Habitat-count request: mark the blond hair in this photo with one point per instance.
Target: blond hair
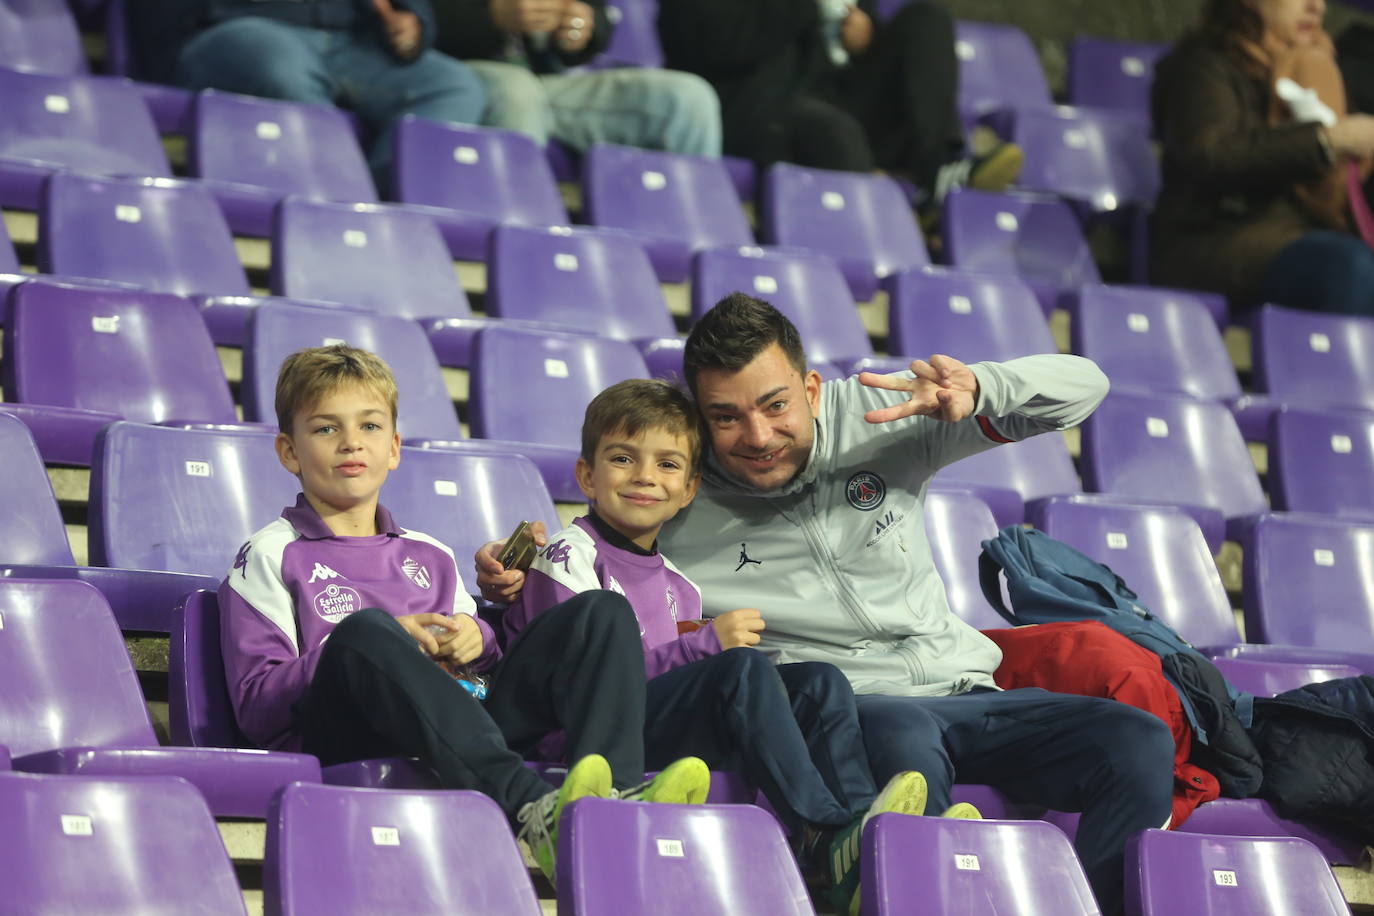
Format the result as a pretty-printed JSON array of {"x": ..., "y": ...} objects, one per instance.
[{"x": 307, "y": 376}]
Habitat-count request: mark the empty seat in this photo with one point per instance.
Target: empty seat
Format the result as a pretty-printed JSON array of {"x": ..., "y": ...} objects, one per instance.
[
  {"x": 634, "y": 43},
  {"x": 34, "y": 532},
  {"x": 83, "y": 123},
  {"x": 999, "y": 69},
  {"x": 957, "y": 523},
  {"x": 332, "y": 849},
  {"x": 532, "y": 388},
  {"x": 674, "y": 204},
  {"x": 1176, "y": 872},
  {"x": 1314, "y": 359},
  {"x": 253, "y": 152},
  {"x": 40, "y": 36},
  {"x": 1176, "y": 450},
  {"x": 1255, "y": 817},
  {"x": 864, "y": 222},
  {"x": 1039, "y": 239},
  {"x": 969, "y": 316},
  {"x": 71, "y": 704},
  {"x": 1322, "y": 461},
  {"x": 474, "y": 179},
  {"x": 277, "y": 330},
  {"x": 1113, "y": 74},
  {"x": 134, "y": 845},
  {"x": 1033, "y": 468},
  {"x": 1097, "y": 158},
  {"x": 675, "y": 859},
  {"x": 947, "y": 865},
  {"x": 9, "y": 261},
  {"x": 808, "y": 289},
  {"x": 1265, "y": 678}
]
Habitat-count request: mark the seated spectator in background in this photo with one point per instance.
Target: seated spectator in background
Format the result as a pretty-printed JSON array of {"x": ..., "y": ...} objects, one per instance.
[
  {"x": 371, "y": 56},
  {"x": 1253, "y": 203},
  {"x": 821, "y": 83},
  {"x": 522, "y": 48}
]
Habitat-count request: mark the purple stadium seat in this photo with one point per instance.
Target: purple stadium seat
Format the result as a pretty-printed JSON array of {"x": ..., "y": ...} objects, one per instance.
[
  {"x": 675, "y": 204},
  {"x": 134, "y": 845},
  {"x": 634, "y": 43},
  {"x": 1314, "y": 359},
  {"x": 253, "y": 152},
  {"x": 199, "y": 713},
  {"x": 84, "y": 123},
  {"x": 1176, "y": 872},
  {"x": 864, "y": 222},
  {"x": 1161, "y": 341},
  {"x": 1322, "y": 461},
  {"x": 332, "y": 849},
  {"x": 1176, "y": 450},
  {"x": 277, "y": 330},
  {"x": 40, "y": 36},
  {"x": 1255, "y": 817},
  {"x": 1269, "y": 678},
  {"x": 1033, "y": 469},
  {"x": 9, "y": 261},
  {"x": 472, "y": 179},
  {"x": 1306, "y": 584},
  {"x": 810, "y": 290},
  {"x": 998, "y": 70},
  {"x": 1097, "y": 158},
  {"x": 602, "y": 282},
  {"x": 140, "y": 356},
  {"x": 947, "y": 865},
  {"x": 530, "y": 389},
  {"x": 624, "y": 857},
  {"x": 1037, "y": 238},
  {"x": 957, "y": 523},
  {"x": 71, "y": 704},
  {"x": 968, "y": 316},
  {"x": 1113, "y": 74},
  {"x": 4, "y": 758}
]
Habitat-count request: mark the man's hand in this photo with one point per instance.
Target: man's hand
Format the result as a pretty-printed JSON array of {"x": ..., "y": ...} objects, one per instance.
[
  {"x": 738, "y": 628},
  {"x": 943, "y": 388},
  {"x": 498, "y": 584},
  {"x": 417, "y": 625},
  {"x": 402, "y": 27},
  {"x": 460, "y": 646},
  {"x": 524, "y": 16},
  {"x": 575, "y": 30},
  {"x": 856, "y": 32}
]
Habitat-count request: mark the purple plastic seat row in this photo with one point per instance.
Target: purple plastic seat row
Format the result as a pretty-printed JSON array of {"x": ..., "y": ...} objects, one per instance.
[
  {"x": 999, "y": 70},
  {"x": 969, "y": 316},
  {"x": 1099, "y": 159},
  {"x": 1321, "y": 461},
  {"x": 1311, "y": 359},
  {"x": 1113, "y": 74}
]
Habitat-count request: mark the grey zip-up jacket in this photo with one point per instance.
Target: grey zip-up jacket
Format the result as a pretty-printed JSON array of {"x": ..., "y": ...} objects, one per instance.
[{"x": 837, "y": 560}]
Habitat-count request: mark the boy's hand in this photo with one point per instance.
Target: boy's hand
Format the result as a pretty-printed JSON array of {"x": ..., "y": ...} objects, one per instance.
[
  {"x": 943, "y": 388},
  {"x": 460, "y": 646},
  {"x": 498, "y": 584},
  {"x": 403, "y": 29},
  {"x": 738, "y": 628},
  {"x": 416, "y": 625}
]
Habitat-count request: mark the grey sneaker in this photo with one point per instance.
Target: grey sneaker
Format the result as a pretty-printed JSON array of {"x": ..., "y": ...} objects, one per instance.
[{"x": 539, "y": 819}]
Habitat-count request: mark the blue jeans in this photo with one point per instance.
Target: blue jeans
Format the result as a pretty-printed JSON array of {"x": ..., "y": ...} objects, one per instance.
[
  {"x": 1324, "y": 271},
  {"x": 650, "y": 109},
  {"x": 263, "y": 57},
  {"x": 1113, "y": 762}
]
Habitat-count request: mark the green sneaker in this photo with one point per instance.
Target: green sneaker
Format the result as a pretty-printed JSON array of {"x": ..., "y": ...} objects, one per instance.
[
  {"x": 904, "y": 793},
  {"x": 589, "y": 777},
  {"x": 963, "y": 811},
  {"x": 682, "y": 782}
]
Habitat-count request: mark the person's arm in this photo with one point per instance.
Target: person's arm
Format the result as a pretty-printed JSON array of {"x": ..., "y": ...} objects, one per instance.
[
  {"x": 584, "y": 32},
  {"x": 718, "y": 37},
  {"x": 421, "y": 33},
  {"x": 557, "y": 572}
]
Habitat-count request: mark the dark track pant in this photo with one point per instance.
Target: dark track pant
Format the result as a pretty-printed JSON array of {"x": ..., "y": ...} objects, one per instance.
[
  {"x": 578, "y": 667},
  {"x": 1110, "y": 761},
  {"x": 791, "y": 730}
]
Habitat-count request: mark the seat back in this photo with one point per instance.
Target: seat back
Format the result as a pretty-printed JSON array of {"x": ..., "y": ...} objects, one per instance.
[
  {"x": 969, "y": 316},
  {"x": 530, "y": 386},
  {"x": 947, "y": 865},
  {"x": 1113, "y": 74},
  {"x": 9, "y": 260},
  {"x": 1270, "y": 678},
  {"x": 40, "y": 36},
  {"x": 163, "y": 235},
  {"x": 183, "y": 500},
  {"x": 276, "y": 330},
  {"x": 675, "y": 859},
  {"x": 634, "y": 43},
  {"x": 1171, "y": 871},
  {"x": 67, "y": 678},
  {"x": 1172, "y": 448},
  {"x": 1310, "y": 358},
  {"x": 499, "y": 174},
  {"x": 998, "y": 68},
  {"x": 957, "y": 523},
  {"x": 809, "y": 290},
  {"x": 140, "y": 844},
  {"x": 1322, "y": 461},
  {"x": 865, "y": 222},
  {"x": 34, "y": 532},
  {"x": 1153, "y": 340},
  {"x": 1306, "y": 583},
  {"x": 310, "y": 151},
  {"x": 1035, "y": 467},
  {"x": 599, "y": 281},
  {"x": 374, "y": 257},
  {"x": 1099, "y": 158},
  {"x": 199, "y": 711},
  {"x": 1160, "y": 553},
  {"x": 144, "y": 356}
]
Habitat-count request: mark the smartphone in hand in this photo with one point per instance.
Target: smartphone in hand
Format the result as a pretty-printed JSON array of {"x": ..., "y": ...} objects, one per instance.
[{"x": 519, "y": 549}]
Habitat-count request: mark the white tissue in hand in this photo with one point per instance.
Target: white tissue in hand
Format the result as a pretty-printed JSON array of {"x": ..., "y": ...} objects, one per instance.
[{"x": 1304, "y": 104}]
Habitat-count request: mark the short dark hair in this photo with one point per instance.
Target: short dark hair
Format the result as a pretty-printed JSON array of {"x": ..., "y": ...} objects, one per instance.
[
  {"x": 735, "y": 331},
  {"x": 637, "y": 404}
]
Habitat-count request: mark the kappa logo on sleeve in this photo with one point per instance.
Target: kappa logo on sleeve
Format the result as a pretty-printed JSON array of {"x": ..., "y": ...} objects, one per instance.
[
  {"x": 241, "y": 560},
  {"x": 559, "y": 552}
]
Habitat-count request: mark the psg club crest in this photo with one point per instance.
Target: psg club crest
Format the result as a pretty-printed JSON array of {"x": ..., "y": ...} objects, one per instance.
[{"x": 865, "y": 491}]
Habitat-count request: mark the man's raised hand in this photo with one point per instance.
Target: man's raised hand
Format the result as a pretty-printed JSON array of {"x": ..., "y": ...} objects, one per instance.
[{"x": 943, "y": 388}]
